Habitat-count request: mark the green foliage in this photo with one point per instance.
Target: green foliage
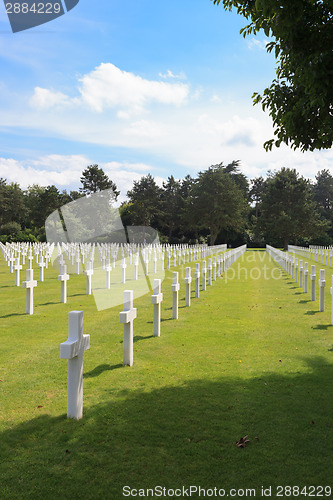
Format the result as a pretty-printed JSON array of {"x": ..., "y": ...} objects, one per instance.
[
  {"x": 94, "y": 179},
  {"x": 213, "y": 207},
  {"x": 218, "y": 202},
  {"x": 230, "y": 366},
  {"x": 12, "y": 229},
  {"x": 144, "y": 201},
  {"x": 288, "y": 209},
  {"x": 300, "y": 99},
  {"x": 12, "y": 208}
]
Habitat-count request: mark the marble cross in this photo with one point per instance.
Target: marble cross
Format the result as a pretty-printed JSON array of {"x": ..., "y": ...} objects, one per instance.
[
  {"x": 175, "y": 290},
  {"x": 63, "y": 278},
  {"x": 127, "y": 316},
  {"x": 156, "y": 300},
  {"x": 73, "y": 350},
  {"x": 29, "y": 285}
]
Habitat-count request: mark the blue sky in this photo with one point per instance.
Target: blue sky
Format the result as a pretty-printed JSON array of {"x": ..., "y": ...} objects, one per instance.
[{"x": 137, "y": 87}]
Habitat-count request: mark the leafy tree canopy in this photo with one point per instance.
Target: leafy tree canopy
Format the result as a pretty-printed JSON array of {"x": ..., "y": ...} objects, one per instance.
[
  {"x": 144, "y": 201},
  {"x": 94, "y": 179},
  {"x": 288, "y": 209},
  {"x": 300, "y": 99},
  {"x": 218, "y": 201}
]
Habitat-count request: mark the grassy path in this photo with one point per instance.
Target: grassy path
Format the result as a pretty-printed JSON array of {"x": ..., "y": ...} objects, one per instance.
[{"x": 251, "y": 356}]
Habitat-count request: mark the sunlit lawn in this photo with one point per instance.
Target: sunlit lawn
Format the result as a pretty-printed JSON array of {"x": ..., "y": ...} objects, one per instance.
[{"x": 252, "y": 356}]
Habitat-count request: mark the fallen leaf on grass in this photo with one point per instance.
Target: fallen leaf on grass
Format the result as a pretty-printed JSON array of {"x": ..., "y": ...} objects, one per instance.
[
  {"x": 242, "y": 442},
  {"x": 39, "y": 406}
]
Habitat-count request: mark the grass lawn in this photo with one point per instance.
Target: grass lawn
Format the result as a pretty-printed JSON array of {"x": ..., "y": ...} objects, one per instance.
[{"x": 252, "y": 356}]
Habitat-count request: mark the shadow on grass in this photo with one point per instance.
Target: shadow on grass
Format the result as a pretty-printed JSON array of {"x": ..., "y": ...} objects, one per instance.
[
  {"x": 100, "y": 369},
  {"x": 311, "y": 313},
  {"x": 174, "y": 436},
  {"x": 321, "y": 327},
  {"x": 13, "y": 314},
  {"x": 304, "y": 301},
  {"x": 138, "y": 338},
  {"x": 49, "y": 303}
]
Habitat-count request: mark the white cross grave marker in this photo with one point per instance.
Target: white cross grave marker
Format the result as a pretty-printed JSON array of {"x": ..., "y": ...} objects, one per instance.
[
  {"x": 41, "y": 266},
  {"x": 29, "y": 284},
  {"x": 30, "y": 259},
  {"x": 301, "y": 274},
  {"x": 204, "y": 274},
  {"x": 156, "y": 300},
  {"x": 73, "y": 350},
  {"x": 214, "y": 268},
  {"x": 126, "y": 317},
  {"x": 175, "y": 289},
  {"x": 188, "y": 281},
  {"x": 197, "y": 280},
  {"x": 136, "y": 266},
  {"x": 313, "y": 283},
  {"x": 123, "y": 270},
  {"x": 293, "y": 267},
  {"x": 210, "y": 267},
  {"x": 322, "y": 284},
  {"x": 77, "y": 263},
  {"x": 17, "y": 269},
  {"x": 63, "y": 277},
  {"x": 306, "y": 277},
  {"x": 108, "y": 269},
  {"x": 89, "y": 272}
]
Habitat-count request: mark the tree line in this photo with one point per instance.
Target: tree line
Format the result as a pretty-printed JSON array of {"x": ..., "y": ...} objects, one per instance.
[{"x": 219, "y": 205}]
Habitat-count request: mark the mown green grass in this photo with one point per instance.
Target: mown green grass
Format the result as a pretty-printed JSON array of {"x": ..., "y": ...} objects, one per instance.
[{"x": 249, "y": 357}]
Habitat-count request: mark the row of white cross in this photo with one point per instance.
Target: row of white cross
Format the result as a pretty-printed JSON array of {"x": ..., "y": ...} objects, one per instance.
[
  {"x": 43, "y": 255},
  {"x": 300, "y": 274},
  {"x": 220, "y": 261},
  {"x": 319, "y": 254},
  {"x": 77, "y": 343}
]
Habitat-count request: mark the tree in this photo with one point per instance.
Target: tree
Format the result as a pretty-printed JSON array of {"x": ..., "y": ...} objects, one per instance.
[
  {"x": 12, "y": 207},
  {"x": 323, "y": 190},
  {"x": 218, "y": 202},
  {"x": 32, "y": 197},
  {"x": 94, "y": 179},
  {"x": 323, "y": 196},
  {"x": 288, "y": 210},
  {"x": 300, "y": 99},
  {"x": 171, "y": 204},
  {"x": 144, "y": 201},
  {"x": 257, "y": 191}
]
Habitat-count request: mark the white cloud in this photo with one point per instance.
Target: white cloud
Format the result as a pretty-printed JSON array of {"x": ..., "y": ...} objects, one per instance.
[
  {"x": 46, "y": 99},
  {"x": 169, "y": 74},
  {"x": 110, "y": 87},
  {"x": 187, "y": 133},
  {"x": 62, "y": 171},
  {"x": 254, "y": 43},
  {"x": 65, "y": 172},
  {"x": 216, "y": 98},
  {"x": 144, "y": 128}
]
